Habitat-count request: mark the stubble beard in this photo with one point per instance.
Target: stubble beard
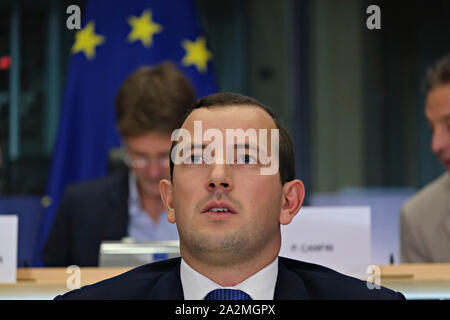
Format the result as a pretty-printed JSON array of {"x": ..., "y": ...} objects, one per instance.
[{"x": 234, "y": 248}]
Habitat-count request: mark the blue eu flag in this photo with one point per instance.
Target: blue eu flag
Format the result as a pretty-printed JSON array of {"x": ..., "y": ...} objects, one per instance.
[{"x": 116, "y": 38}]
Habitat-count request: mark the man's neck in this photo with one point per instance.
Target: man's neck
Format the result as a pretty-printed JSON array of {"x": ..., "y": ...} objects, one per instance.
[{"x": 229, "y": 276}]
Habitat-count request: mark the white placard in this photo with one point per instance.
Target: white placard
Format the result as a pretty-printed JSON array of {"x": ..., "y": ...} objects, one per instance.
[
  {"x": 8, "y": 248},
  {"x": 335, "y": 237}
]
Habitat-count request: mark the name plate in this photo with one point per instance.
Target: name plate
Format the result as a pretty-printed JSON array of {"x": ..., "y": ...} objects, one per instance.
[
  {"x": 335, "y": 237},
  {"x": 8, "y": 248}
]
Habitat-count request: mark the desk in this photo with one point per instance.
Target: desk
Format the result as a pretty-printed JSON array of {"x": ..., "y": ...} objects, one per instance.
[
  {"x": 418, "y": 280},
  {"x": 415, "y": 281},
  {"x": 46, "y": 283}
]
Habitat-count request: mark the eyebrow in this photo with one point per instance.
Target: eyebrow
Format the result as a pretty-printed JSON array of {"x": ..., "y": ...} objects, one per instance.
[
  {"x": 245, "y": 146},
  {"x": 442, "y": 118},
  {"x": 135, "y": 151},
  {"x": 198, "y": 146},
  {"x": 236, "y": 146},
  {"x": 145, "y": 154}
]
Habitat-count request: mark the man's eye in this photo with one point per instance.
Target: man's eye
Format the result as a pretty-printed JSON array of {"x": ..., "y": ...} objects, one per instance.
[
  {"x": 246, "y": 159},
  {"x": 196, "y": 159},
  {"x": 447, "y": 125}
]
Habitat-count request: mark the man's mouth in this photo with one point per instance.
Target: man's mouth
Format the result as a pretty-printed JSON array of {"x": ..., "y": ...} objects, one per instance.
[{"x": 218, "y": 208}]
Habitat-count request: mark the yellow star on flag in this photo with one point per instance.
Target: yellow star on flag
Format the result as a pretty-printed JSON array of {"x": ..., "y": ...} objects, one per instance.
[
  {"x": 143, "y": 28},
  {"x": 86, "y": 40},
  {"x": 196, "y": 54}
]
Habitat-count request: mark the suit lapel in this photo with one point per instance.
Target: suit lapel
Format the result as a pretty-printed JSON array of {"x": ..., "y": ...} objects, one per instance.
[
  {"x": 289, "y": 285},
  {"x": 115, "y": 221},
  {"x": 169, "y": 286}
]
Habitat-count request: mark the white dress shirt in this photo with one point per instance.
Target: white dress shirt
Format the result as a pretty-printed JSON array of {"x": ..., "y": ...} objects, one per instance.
[{"x": 260, "y": 286}]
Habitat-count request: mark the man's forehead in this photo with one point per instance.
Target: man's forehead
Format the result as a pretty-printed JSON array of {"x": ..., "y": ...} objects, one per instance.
[{"x": 230, "y": 117}]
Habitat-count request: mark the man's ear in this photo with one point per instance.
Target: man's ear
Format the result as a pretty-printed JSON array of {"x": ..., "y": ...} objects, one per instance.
[
  {"x": 165, "y": 188},
  {"x": 293, "y": 196}
]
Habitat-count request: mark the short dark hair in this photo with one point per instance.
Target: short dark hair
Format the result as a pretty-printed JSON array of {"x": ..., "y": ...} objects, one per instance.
[
  {"x": 227, "y": 99},
  {"x": 438, "y": 74},
  {"x": 153, "y": 99}
]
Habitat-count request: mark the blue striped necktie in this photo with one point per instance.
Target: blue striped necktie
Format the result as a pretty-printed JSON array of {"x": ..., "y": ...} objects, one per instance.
[{"x": 227, "y": 294}]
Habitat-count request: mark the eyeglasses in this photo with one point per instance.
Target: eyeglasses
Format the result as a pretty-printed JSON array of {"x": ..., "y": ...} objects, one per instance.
[{"x": 144, "y": 162}]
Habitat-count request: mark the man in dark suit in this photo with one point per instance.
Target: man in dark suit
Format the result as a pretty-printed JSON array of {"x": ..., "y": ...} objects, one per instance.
[
  {"x": 150, "y": 104},
  {"x": 228, "y": 198}
]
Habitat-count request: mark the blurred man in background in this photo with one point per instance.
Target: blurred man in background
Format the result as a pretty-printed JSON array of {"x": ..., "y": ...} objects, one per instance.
[
  {"x": 425, "y": 218},
  {"x": 150, "y": 104}
]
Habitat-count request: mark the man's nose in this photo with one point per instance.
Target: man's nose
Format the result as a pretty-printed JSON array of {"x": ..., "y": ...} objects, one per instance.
[
  {"x": 219, "y": 178},
  {"x": 440, "y": 140},
  {"x": 153, "y": 169}
]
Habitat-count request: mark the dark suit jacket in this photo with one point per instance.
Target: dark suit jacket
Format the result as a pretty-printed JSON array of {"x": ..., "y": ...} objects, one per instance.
[
  {"x": 89, "y": 213},
  {"x": 296, "y": 280}
]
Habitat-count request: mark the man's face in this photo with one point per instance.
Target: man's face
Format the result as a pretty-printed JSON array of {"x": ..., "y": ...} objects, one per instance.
[
  {"x": 149, "y": 155},
  {"x": 197, "y": 190},
  {"x": 437, "y": 112}
]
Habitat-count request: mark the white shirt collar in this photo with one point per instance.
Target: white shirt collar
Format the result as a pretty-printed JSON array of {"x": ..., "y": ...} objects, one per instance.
[{"x": 260, "y": 286}]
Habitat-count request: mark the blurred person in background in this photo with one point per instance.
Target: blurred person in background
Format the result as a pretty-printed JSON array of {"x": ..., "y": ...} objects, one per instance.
[
  {"x": 425, "y": 218},
  {"x": 150, "y": 104}
]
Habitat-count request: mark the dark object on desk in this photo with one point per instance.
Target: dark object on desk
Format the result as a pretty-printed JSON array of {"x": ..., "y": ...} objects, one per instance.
[{"x": 391, "y": 259}]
